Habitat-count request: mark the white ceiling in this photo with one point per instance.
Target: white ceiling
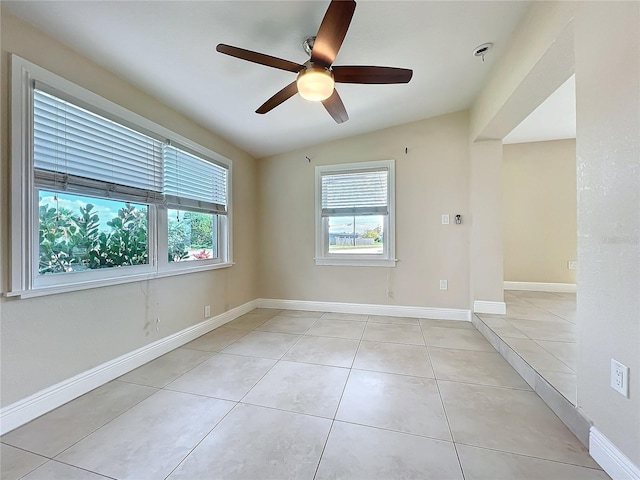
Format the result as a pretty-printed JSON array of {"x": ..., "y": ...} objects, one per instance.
[
  {"x": 554, "y": 119},
  {"x": 167, "y": 48}
]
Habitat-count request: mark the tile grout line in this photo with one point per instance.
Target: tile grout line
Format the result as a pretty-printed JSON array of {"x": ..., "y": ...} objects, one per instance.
[
  {"x": 442, "y": 402},
  {"x": 344, "y": 388}
]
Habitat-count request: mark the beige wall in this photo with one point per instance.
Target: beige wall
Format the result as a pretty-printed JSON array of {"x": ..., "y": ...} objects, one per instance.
[
  {"x": 539, "y": 182},
  {"x": 485, "y": 252},
  {"x": 608, "y": 153},
  {"x": 432, "y": 179},
  {"x": 49, "y": 339}
]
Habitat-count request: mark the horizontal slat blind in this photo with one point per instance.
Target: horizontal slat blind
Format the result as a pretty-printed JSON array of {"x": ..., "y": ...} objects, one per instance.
[
  {"x": 76, "y": 148},
  {"x": 355, "y": 193},
  {"x": 194, "y": 183}
]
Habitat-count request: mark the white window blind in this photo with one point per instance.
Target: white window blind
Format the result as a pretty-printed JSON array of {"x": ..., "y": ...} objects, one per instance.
[
  {"x": 193, "y": 183},
  {"x": 355, "y": 193},
  {"x": 78, "y": 150}
]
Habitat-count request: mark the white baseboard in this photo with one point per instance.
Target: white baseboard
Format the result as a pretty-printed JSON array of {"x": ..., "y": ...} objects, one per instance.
[
  {"x": 610, "y": 458},
  {"x": 541, "y": 287},
  {"x": 368, "y": 309},
  {"x": 495, "y": 308},
  {"x": 31, "y": 407}
]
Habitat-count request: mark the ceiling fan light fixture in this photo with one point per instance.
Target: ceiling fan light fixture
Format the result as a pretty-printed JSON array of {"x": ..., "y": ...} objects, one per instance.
[{"x": 315, "y": 83}]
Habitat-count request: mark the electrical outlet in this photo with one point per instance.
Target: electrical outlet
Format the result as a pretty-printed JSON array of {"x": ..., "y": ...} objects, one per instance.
[
  {"x": 207, "y": 311},
  {"x": 572, "y": 265},
  {"x": 445, "y": 219},
  {"x": 620, "y": 378},
  {"x": 443, "y": 284},
  {"x": 157, "y": 324}
]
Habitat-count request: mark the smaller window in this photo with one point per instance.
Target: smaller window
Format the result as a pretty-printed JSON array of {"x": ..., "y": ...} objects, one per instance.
[{"x": 355, "y": 214}]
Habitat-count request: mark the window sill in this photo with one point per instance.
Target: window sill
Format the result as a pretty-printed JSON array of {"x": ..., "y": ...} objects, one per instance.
[
  {"x": 355, "y": 262},
  {"x": 73, "y": 287}
]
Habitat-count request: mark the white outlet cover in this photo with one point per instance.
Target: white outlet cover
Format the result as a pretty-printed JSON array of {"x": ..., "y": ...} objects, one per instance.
[
  {"x": 445, "y": 219},
  {"x": 620, "y": 378},
  {"x": 443, "y": 284}
]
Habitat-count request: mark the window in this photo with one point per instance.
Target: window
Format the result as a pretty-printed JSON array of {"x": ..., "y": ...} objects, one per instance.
[
  {"x": 101, "y": 195},
  {"x": 355, "y": 214}
]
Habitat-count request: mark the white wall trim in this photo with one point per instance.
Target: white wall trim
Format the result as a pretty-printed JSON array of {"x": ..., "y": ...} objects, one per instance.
[
  {"x": 31, "y": 407},
  {"x": 368, "y": 309},
  {"x": 495, "y": 308},
  {"x": 610, "y": 458},
  {"x": 541, "y": 287}
]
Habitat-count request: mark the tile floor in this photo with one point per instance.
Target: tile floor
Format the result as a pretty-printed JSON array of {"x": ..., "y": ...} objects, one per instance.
[
  {"x": 541, "y": 328},
  {"x": 290, "y": 394}
]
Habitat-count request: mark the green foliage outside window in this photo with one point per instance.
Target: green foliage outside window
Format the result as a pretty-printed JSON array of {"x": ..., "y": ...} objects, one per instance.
[{"x": 73, "y": 241}]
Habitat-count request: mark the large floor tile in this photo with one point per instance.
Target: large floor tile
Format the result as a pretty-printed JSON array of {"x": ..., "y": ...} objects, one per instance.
[
  {"x": 430, "y": 322},
  {"x": 384, "y": 400},
  {"x": 565, "y": 383},
  {"x": 533, "y": 295},
  {"x": 224, "y": 376},
  {"x": 354, "y": 317},
  {"x": 485, "y": 368},
  {"x": 510, "y": 420},
  {"x": 263, "y": 344},
  {"x": 301, "y": 313},
  {"x": 566, "y": 352},
  {"x": 282, "y": 324},
  {"x": 52, "y": 433},
  {"x": 248, "y": 321},
  {"x": 568, "y": 315},
  {"x": 216, "y": 340},
  {"x": 358, "y": 452},
  {"x": 501, "y": 327},
  {"x": 530, "y": 313},
  {"x": 53, "y": 470},
  {"x": 406, "y": 334},
  {"x": 267, "y": 312},
  {"x": 457, "y": 338},
  {"x": 536, "y": 356},
  {"x": 149, "y": 440},
  {"x": 167, "y": 368},
  {"x": 15, "y": 463},
  {"x": 540, "y": 330},
  {"x": 394, "y": 358},
  {"x": 482, "y": 464},
  {"x": 338, "y": 329},
  {"x": 336, "y": 352},
  {"x": 548, "y": 303},
  {"x": 300, "y": 387},
  {"x": 251, "y": 443},
  {"x": 393, "y": 320}
]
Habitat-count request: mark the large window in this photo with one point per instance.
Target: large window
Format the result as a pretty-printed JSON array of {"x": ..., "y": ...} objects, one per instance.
[
  {"x": 102, "y": 196},
  {"x": 355, "y": 214}
]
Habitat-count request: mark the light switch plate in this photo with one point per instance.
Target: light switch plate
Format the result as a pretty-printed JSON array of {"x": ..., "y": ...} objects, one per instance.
[{"x": 445, "y": 219}]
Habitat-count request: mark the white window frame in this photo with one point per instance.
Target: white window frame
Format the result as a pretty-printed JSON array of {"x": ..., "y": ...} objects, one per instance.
[
  {"x": 323, "y": 257},
  {"x": 24, "y": 201}
]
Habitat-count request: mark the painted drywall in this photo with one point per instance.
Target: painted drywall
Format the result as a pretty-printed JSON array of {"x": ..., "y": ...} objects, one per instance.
[
  {"x": 486, "y": 250},
  {"x": 539, "y": 59},
  {"x": 608, "y": 157},
  {"x": 49, "y": 339},
  {"x": 539, "y": 184},
  {"x": 431, "y": 179}
]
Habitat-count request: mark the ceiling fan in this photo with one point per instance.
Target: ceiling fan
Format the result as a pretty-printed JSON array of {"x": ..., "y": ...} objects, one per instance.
[{"x": 316, "y": 77}]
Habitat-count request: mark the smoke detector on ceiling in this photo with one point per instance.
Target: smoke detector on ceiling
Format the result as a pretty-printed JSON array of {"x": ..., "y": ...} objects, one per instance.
[{"x": 482, "y": 50}]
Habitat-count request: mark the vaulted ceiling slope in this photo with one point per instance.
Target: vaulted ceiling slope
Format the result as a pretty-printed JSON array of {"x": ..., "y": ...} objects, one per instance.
[{"x": 168, "y": 50}]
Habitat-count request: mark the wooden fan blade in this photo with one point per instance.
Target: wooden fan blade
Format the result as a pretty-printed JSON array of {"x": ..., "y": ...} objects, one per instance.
[
  {"x": 260, "y": 58},
  {"x": 332, "y": 31},
  {"x": 285, "y": 94},
  {"x": 369, "y": 74},
  {"x": 335, "y": 107}
]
